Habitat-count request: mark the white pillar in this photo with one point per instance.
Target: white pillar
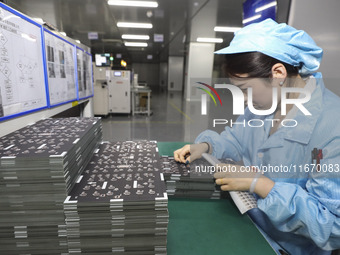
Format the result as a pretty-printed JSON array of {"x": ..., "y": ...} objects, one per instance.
[{"x": 200, "y": 57}]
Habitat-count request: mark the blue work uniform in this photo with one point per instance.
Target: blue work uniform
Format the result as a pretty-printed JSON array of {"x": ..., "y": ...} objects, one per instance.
[{"x": 302, "y": 211}]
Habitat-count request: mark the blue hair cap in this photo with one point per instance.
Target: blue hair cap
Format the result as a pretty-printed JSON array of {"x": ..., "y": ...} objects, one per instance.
[{"x": 280, "y": 41}]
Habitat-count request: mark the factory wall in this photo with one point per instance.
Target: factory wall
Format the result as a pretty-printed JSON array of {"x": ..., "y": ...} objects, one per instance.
[
  {"x": 148, "y": 73},
  {"x": 321, "y": 20}
]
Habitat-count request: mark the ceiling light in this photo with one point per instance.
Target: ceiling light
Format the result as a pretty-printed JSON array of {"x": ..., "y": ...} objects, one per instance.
[
  {"x": 266, "y": 6},
  {"x": 226, "y": 29},
  {"x": 152, "y": 4},
  {"x": 135, "y": 44},
  {"x": 134, "y": 25},
  {"x": 77, "y": 41},
  {"x": 209, "y": 40},
  {"x": 135, "y": 37},
  {"x": 251, "y": 18},
  {"x": 63, "y": 33}
]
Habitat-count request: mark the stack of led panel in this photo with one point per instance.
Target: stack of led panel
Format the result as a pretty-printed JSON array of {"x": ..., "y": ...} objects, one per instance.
[
  {"x": 192, "y": 180},
  {"x": 39, "y": 164},
  {"x": 120, "y": 204}
]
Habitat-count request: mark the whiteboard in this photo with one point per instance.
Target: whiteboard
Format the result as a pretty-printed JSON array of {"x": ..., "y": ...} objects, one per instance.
[
  {"x": 84, "y": 74},
  {"x": 60, "y": 66},
  {"x": 22, "y": 79}
]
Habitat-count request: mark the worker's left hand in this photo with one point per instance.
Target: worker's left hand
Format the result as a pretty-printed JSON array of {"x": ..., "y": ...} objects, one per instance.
[
  {"x": 241, "y": 181},
  {"x": 233, "y": 180}
]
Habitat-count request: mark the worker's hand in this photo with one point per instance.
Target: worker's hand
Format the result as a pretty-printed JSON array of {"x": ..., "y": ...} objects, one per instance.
[
  {"x": 190, "y": 152},
  {"x": 232, "y": 179}
]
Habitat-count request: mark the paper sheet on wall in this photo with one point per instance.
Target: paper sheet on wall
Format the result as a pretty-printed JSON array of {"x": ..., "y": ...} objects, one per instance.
[
  {"x": 22, "y": 85},
  {"x": 84, "y": 70},
  {"x": 60, "y": 69}
]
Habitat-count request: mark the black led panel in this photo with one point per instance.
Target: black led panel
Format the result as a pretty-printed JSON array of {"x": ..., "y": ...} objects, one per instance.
[
  {"x": 192, "y": 180},
  {"x": 39, "y": 164},
  {"x": 128, "y": 171},
  {"x": 120, "y": 201}
]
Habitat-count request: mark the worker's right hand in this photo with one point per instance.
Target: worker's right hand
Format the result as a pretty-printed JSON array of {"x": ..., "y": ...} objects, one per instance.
[{"x": 190, "y": 152}]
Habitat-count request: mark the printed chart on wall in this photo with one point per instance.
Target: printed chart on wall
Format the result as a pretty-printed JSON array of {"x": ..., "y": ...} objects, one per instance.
[
  {"x": 84, "y": 69},
  {"x": 22, "y": 85},
  {"x": 60, "y": 64}
]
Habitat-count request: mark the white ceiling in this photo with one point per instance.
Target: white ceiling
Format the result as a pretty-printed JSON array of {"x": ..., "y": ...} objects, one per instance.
[{"x": 172, "y": 18}]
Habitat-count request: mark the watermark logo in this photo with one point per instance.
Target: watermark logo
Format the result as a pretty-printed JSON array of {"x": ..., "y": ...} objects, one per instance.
[
  {"x": 238, "y": 99},
  {"x": 239, "y": 104},
  {"x": 204, "y": 97}
]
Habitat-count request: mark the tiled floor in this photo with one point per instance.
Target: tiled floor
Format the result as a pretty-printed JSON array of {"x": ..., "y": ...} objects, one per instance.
[
  {"x": 173, "y": 119},
  {"x": 168, "y": 121}
]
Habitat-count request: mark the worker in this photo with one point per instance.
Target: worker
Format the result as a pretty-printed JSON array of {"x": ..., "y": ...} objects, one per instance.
[{"x": 300, "y": 208}]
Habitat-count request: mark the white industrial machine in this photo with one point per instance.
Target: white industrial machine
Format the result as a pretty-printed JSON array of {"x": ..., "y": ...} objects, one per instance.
[
  {"x": 101, "y": 91},
  {"x": 119, "y": 82}
]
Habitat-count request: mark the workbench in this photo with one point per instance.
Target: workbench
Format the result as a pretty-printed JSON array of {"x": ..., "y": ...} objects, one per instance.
[{"x": 206, "y": 226}]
